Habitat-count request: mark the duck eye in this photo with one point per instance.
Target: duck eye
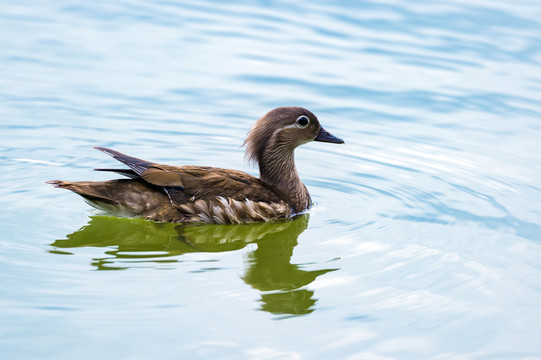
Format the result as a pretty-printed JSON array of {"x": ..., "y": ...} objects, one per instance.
[{"x": 303, "y": 121}]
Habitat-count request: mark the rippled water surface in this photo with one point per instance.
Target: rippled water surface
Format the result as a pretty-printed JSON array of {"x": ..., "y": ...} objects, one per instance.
[{"x": 425, "y": 240}]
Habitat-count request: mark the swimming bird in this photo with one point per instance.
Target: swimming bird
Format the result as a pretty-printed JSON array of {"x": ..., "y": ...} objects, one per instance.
[{"x": 203, "y": 194}]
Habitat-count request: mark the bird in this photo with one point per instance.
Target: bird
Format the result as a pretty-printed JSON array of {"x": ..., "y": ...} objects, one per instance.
[{"x": 203, "y": 194}]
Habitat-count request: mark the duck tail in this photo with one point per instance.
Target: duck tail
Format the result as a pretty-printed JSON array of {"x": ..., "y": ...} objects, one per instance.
[
  {"x": 122, "y": 197},
  {"x": 90, "y": 190},
  {"x": 59, "y": 183}
]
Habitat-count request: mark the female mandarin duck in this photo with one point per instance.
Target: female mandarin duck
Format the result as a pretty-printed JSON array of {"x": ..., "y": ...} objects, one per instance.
[{"x": 202, "y": 194}]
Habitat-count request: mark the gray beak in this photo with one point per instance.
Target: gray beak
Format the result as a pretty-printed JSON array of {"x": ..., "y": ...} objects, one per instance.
[{"x": 325, "y": 136}]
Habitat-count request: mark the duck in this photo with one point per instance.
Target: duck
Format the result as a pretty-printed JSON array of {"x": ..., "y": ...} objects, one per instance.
[{"x": 204, "y": 194}]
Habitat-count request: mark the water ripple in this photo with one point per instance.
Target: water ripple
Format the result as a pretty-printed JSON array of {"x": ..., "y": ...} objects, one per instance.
[{"x": 429, "y": 212}]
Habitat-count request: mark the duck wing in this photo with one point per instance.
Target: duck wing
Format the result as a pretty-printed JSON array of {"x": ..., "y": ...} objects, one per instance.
[{"x": 191, "y": 183}]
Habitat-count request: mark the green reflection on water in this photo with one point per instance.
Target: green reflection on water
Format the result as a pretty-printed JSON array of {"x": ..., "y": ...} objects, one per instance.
[{"x": 131, "y": 242}]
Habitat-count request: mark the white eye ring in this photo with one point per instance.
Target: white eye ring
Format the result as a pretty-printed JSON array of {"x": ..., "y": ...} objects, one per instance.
[{"x": 303, "y": 121}]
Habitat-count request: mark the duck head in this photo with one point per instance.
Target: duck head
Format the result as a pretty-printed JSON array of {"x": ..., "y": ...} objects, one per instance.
[
  {"x": 281, "y": 130},
  {"x": 273, "y": 139}
]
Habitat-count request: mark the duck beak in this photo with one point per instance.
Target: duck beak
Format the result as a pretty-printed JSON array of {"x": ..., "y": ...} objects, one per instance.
[{"x": 325, "y": 136}]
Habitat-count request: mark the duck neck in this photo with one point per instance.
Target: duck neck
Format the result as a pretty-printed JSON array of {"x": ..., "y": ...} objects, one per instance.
[{"x": 278, "y": 169}]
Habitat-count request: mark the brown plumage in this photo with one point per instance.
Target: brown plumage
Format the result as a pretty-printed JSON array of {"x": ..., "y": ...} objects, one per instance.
[{"x": 213, "y": 195}]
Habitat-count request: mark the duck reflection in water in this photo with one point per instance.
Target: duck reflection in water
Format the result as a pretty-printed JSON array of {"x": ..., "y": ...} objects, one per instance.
[{"x": 136, "y": 242}]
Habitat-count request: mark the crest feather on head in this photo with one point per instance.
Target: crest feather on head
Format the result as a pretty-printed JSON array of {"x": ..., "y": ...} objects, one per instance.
[{"x": 260, "y": 135}]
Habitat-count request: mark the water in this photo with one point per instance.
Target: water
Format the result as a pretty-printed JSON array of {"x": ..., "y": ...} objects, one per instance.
[{"x": 424, "y": 242}]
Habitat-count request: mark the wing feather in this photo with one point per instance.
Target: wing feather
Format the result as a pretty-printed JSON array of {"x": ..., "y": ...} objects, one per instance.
[{"x": 195, "y": 183}]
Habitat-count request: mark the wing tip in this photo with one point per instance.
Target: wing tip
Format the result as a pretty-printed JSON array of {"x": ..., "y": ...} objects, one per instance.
[{"x": 108, "y": 151}]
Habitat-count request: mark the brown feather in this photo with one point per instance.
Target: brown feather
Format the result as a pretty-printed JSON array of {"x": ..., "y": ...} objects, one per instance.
[
  {"x": 208, "y": 194},
  {"x": 160, "y": 177}
]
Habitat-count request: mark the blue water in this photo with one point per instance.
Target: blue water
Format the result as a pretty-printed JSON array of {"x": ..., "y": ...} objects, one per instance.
[{"x": 425, "y": 240}]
